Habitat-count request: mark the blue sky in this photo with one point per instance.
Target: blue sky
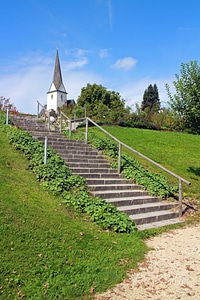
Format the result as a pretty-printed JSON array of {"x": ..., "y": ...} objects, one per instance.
[{"x": 124, "y": 45}]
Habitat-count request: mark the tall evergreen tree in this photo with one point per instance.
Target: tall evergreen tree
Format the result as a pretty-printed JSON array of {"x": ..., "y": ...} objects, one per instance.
[{"x": 151, "y": 99}]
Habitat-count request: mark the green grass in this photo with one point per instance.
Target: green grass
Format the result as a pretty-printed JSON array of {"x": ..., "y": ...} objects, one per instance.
[
  {"x": 47, "y": 251},
  {"x": 178, "y": 152}
]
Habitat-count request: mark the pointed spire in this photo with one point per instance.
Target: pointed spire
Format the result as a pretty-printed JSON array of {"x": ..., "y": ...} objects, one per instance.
[{"x": 57, "y": 76}]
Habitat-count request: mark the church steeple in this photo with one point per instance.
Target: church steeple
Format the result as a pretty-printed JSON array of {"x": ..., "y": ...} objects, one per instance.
[
  {"x": 57, "y": 95},
  {"x": 57, "y": 76}
]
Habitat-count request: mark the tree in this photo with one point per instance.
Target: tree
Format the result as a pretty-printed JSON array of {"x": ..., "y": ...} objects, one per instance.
[
  {"x": 101, "y": 104},
  {"x": 151, "y": 101},
  {"x": 5, "y": 104},
  {"x": 186, "y": 100}
]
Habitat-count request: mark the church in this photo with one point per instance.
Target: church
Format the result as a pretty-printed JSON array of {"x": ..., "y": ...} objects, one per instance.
[{"x": 57, "y": 95}]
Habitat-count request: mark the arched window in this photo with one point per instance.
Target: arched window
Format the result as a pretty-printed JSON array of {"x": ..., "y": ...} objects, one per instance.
[{"x": 51, "y": 96}]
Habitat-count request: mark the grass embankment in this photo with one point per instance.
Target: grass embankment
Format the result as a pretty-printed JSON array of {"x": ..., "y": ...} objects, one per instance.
[
  {"x": 47, "y": 251},
  {"x": 178, "y": 152}
]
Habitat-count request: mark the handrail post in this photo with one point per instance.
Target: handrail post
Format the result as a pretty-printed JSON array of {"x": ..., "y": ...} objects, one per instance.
[
  {"x": 61, "y": 121},
  {"x": 74, "y": 120},
  {"x": 86, "y": 129},
  {"x": 45, "y": 150},
  {"x": 180, "y": 197},
  {"x": 70, "y": 128},
  {"x": 119, "y": 157},
  {"x": 7, "y": 116},
  {"x": 48, "y": 121},
  {"x": 38, "y": 109}
]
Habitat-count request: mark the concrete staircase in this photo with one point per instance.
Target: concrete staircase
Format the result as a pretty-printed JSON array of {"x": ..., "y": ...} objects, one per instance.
[{"x": 146, "y": 211}]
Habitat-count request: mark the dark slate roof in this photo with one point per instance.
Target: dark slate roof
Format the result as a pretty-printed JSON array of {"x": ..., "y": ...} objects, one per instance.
[{"x": 57, "y": 76}]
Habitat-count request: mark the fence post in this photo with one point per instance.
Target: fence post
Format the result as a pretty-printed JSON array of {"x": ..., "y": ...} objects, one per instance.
[
  {"x": 86, "y": 130},
  {"x": 119, "y": 158},
  {"x": 45, "y": 150},
  {"x": 180, "y": 197}
]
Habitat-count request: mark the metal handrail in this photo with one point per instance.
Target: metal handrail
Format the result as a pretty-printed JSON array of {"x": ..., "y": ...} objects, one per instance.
[
  {"x": 68, "y": 120},
  {"x": 38, "y": 108},
  {"x": 180, "y": 179}
]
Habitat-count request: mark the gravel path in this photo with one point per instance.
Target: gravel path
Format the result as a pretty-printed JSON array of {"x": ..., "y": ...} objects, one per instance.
[{"x": 171, "y": 271}]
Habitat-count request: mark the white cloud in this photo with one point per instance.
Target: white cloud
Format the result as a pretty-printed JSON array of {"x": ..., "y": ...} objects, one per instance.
[
  {"x": 26, "y": 83},
  {"x": 80, "y": 52},
  {"x": 74, "y": 81},
  {"x": 126, "y": 63},
  {"x": 133, "y": 91},
  {"x": 24, "y": 87},
  {"x": 27, "y": 80},
  {"x": 103, "y": 53},
  {"x": 72, "y": 65},
  {"x": 78, "y": 59}
]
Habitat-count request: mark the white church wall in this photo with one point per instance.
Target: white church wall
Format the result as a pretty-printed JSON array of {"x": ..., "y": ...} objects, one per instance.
[
  {"x": 56, "y": 99},
  {"x": 51, "y": 101}
]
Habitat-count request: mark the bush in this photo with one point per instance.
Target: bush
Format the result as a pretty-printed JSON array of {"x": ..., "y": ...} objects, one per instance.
[
  {"x": 137, "y": 121},
  {"x": 101, "y": 212}
]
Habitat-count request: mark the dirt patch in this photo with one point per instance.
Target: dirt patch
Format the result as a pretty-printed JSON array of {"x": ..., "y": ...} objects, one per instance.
[{"x": 170, "y": 271}]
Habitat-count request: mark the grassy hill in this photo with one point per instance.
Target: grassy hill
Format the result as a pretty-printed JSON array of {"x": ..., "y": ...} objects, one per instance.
[
  {"x": 178, "y": 152},
  {"x": 47, "y": 251}
]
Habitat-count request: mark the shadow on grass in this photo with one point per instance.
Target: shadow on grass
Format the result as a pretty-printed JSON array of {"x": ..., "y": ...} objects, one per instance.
[{"x": 194, "y": 170}]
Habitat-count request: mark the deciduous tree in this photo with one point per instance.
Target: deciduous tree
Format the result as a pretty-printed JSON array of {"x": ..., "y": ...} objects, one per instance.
[
  {"x": 101, "y": 104},
  {"x": 185, "y": 102}
]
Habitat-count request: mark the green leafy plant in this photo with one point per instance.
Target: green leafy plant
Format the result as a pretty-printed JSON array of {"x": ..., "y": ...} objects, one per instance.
[{"x": 101, "y": 212}]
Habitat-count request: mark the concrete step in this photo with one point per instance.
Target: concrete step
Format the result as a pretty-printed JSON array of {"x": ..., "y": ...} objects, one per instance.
[
  {"x": 52, "y": 138},
  {"x": 85, "y": 159},
  {"x": 82, "y": 156},
  {"x": 113, "y": 187},
  {"x": 105, "y": 181},
  {"x": 120, "y": 193},
  {"x": 70, "y": 146},
  {"x": 69, "y": 156},
  {"x": 99, "y": 175},
  {"x": 77, "y": 152},
  {"x": 59, "y": 143},
  {"x": 159, "y": 224},
  {"x": 94, "y": 165},
  {"x": 145, "y": 208},
  {"x": 92, "y": 170},
  {"x": 132, "y": 200},
  {"x": 155, "y": 216}
]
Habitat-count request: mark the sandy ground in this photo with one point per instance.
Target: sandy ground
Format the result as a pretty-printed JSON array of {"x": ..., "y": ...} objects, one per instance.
[{"x": 171, "y": 271}]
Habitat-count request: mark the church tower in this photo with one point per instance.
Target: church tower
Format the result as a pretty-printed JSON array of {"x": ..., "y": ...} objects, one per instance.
[{"x": 57, "y": 95}]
